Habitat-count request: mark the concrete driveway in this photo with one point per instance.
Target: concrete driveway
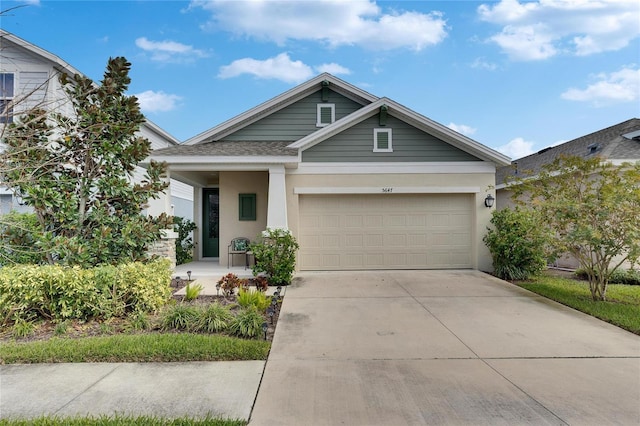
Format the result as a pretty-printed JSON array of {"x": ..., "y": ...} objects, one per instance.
[{"x": 442, "y": 347}]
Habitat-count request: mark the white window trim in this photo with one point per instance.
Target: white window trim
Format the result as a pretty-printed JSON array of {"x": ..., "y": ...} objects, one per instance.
[
  {"x": 375, "y": 140},
  {"x": 319, "y": 107},
  {"x": 10, "y": 99}
]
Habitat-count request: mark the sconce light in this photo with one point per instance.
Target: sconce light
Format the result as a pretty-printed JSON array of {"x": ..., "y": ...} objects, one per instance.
[{"x": 488, "y": 202}]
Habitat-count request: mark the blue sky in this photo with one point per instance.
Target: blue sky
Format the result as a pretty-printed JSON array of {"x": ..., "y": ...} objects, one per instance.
[{"x": 515, "y": 76}]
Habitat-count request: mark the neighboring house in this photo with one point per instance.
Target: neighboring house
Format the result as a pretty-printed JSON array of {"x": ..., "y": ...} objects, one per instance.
[
  {"x": 618, "y": 144},
  {"x": 362, "y": 182},
  {"x": 29, "y": 78}
]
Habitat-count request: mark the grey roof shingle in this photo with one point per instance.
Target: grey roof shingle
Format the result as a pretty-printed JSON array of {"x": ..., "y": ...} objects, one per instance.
[
  {"x": 230, "y": 149},
  {"x": 608, "y": 143}
]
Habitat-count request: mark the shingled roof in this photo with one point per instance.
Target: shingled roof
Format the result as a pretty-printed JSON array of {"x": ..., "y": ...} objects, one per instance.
[
  {"x": 230, "y": 149},
  {"x": 618, "y": 142}
]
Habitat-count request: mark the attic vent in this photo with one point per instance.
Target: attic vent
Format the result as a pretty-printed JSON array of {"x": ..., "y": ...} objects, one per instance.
[
  {"x": 325, "y": 91},
  {"x": 383, "y": 115},
  {"x": 593, "y": 148}
]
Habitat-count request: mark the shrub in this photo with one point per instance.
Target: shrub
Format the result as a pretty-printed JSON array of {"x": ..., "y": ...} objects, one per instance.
[
  {"x": 518, "y": 244},
  {"x": 229, "y": 283},
  {"x": 619, "y": 276},
  {"x": 192, "y": 291},
  {"x": 213, "y": 319},
  {"x": 184, "y": 243},
  {"x": 275, "y": 255},
  {"x": 261, "y": 283},
  {"x": 22, "y": 328},
  {"x": 253, "y": 298},
  {"x": 179, "y": 317},
  {"x": 18, "y": 233},
  {"x": 247, "y": 323},
  {"x": 59, "y": 292}
]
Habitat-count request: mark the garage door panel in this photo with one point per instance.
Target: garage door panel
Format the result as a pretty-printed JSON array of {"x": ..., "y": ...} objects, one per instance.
[{"x": 391, "y": 231}]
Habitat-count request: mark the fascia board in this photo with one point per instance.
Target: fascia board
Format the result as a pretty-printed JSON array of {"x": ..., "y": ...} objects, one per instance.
[
  {"x": 61, "y": 64},
  {"x": 277, "y": 103},
  {"x": 215, "y": 160},
  {"x": 160, "y": 131}
]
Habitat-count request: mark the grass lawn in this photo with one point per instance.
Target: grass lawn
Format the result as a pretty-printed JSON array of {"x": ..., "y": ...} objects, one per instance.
[
  {"x": 154, "y": 347},
  {"x": 622, "y": 307}
]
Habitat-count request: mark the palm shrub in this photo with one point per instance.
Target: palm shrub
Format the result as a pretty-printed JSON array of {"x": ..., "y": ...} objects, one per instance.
[
  {"x": 247, "y": 323},
  {"x": 275, "y": 255},
  {"x": 518, "y": 244},
  {"x": 192, "y": 291},
  {"x": 248, "y": 297}
]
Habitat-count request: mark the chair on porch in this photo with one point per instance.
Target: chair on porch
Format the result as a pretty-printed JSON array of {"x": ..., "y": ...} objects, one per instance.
[{"x": 239, "y": 245}]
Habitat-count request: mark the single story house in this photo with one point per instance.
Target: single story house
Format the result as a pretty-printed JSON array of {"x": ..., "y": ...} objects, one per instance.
[
  {"x": 361, "y": 182},
  {"x": 617, "y": 144}
]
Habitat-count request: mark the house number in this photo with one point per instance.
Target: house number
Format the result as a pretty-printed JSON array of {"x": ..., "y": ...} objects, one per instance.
[{"x": 387, "y": 189}]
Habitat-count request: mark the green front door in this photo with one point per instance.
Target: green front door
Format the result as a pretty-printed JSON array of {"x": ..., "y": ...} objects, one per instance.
[{"x": 211, "y": 222}]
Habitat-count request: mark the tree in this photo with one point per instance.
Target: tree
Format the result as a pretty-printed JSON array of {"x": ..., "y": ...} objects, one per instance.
[
  {"x": 77, "y": 172},
  {"x": 592, "y": 209}
]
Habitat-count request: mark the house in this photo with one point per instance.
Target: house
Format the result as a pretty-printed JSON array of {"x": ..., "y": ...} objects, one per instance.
[
  {"x": 618, "y": 144},
  {"x": 362, "y": 182},
  {"x": 29, "y": 78}
]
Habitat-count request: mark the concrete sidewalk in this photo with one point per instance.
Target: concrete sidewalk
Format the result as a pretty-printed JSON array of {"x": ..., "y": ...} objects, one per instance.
[
  {"x": 442, "y": 347},
  {"x": 193, "y": 389}
]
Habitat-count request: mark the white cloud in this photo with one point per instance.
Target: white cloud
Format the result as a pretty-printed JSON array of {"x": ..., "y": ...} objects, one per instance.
[
  {"x": 542, "y": 29},
  {"x": 280, "y": 67},
  {"x": 482, "y": 63},
  {"x": 462, "y": 128},
  {"x": 169, "y": 51},
  {"x": 151, "y": 101},
  {"x": 616, "y": 87},
  {"x": 517, "y": 148},
  {"x": 332, "y": 68},
  {"x": 332, "y": 22}
]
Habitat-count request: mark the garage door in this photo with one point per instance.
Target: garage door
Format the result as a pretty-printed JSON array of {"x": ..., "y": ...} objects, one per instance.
[{"x": 385, "y": 231}]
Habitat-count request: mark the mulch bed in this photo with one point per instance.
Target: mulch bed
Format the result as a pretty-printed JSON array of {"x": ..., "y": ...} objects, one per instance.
[{"x": 78, "y": 329}]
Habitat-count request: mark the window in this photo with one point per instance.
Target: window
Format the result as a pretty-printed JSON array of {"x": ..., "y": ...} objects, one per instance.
[
  {"x": 326, "y": 114},
  {"x": 382, "y": 140},
  {"x": 247, "y": 207},
  {"x": 6, "y": 97}
]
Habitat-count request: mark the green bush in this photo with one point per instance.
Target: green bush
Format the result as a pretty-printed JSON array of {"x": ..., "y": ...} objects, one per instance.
[
  {"x": 518, "y": 244},
  {"x": 184, "y": 243},
  {"x": 18, "y": 233},
  {"x": 213, "y": 319},
  {"x": 247, "y": 323},
  {"x": 275, "y": 255},
  {"x": 180, "y": 317},
  {"x": 59, "y": 292},
  {"x": 619, "y": 276},
  {"x": 254, "y": 298}
]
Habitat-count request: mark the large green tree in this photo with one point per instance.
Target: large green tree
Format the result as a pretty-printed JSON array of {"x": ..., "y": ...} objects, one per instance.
[
  {"x": 74, "y": 165},
  {"x": 592, "y": 208}
]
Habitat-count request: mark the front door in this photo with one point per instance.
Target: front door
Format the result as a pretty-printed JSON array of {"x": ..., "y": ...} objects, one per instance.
[{"x": 211, "y": 222}]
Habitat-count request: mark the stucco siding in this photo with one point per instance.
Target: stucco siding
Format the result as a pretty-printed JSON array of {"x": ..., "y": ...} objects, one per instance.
[
  {"x": 294, "y": 121},
  {"x": 231, "y": 185},
  {"x": 476, "y": 185},
  {"x": 409, "y": 144}
]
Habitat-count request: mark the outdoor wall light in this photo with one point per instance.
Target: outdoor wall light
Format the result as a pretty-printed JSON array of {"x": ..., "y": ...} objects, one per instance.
[{"x": 488, "y": 202}]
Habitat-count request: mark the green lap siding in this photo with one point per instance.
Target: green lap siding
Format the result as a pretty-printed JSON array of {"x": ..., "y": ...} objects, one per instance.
[{"x": 409, "y": 144}]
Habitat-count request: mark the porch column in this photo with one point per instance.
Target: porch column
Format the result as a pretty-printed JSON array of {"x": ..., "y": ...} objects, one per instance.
[{"x": 277, "y": 204}]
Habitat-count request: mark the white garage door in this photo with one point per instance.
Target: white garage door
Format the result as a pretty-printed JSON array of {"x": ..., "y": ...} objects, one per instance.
[{"x": 385, "y": 231}]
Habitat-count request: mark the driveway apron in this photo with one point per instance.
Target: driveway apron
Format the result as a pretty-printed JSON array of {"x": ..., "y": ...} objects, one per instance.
[{"x": 441, "y": 347}]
